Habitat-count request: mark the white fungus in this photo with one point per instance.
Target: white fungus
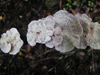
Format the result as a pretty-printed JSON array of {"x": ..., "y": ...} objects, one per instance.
[
  {"x": 85, "y": 22},
  {"x": 93, "y": 38},
  {"x": 10, "y": 42},
  {"x": 40, "y": 31},
  {"x": 65, "y": 46},
  {"x": 56, "y": 39},
  {"x": 64, "y": 31},
  {"x": 68, "y": 22}
]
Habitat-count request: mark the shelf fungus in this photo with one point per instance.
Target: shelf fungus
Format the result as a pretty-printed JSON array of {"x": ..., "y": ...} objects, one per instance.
[
  {"x": 10, "y": 42},
  {"x": 93, "y": 38},
  {"x": 40, "y": 31},
  {"x": 64, "y": 31},
  {"x": 68, "y": 22},
  {"x": 85, "y": 22},
  {"x": 56, "y": 39}
]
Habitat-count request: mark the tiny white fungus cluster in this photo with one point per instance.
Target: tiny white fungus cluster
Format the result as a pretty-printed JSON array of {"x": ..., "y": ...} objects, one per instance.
[{"x": 10, "y": 42}]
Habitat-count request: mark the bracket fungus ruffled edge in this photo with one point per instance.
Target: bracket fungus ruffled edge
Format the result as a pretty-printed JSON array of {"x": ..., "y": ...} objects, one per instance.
[
  {"x": 71, "y": 31},
  {"x": 40, "y": 31},
  {"x": 93, "y": 38},
  {"x": 10, "y": 42},
  {"x": 65, "y": 27},
  {"x": 85, "y": 22},
  {"x": 62, "y": 31}
]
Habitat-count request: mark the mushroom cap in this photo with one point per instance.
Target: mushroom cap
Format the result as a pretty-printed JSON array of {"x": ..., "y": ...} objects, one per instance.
[
  {"x": 31, "y": 38},
  {"x": 56, "y": 39},
  {"x": 5, "y": 47},
  {"x": 73, "y": 38},
  {"x": 83, "y": 43},
  {"x": 46, "y": 31},
  {"x": 68, "y": 22},
  {"x": 65, "y": 46},
  {"x": 40, "y": 31},
  {"x": 33, "y": 30},
  {"x": 93, "y": 38},
  {"x": 7, "y": 41},
  {"x": 85, "y": 22},
  {"x": 49, "y": 23},
  {"x": 17, "y": 43},
  {"x": 49, "y": 17}
]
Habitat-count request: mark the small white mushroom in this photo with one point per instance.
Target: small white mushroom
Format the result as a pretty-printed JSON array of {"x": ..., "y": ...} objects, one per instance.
[{"x": 9, "y": 43}]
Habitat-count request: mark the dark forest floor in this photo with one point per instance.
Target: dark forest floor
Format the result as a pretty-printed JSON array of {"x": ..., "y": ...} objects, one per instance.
[{"x": 40, "y": 60}]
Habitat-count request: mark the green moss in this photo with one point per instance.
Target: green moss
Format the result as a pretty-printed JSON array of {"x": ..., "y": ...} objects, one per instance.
[
  {"x": 89, "y": 2},
  {"x": 70, "y": 9},
  {"x": 67, "y": 4},
  {"x": 75, "y": 4},
  {"x": 50, "y": 3},
  {"x": 91, "y": 9},
  {"x": 64, "y": 9},
  {"x": 69, "y": 1},
  {"x": 88, "y": 52},
  {"x": 96, "y": 18},
  {"x": 24, "y": 26},
  {"x": 92, "y": 4}
]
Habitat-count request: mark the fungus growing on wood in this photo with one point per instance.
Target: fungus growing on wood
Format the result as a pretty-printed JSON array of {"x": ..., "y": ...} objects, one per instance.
[
  {"x": 68, "y": 22},
  {"x": 85, "y": 22},
  {"x": 56, "y": 39},
  {"x": 65, "y": 46},
  {"x": 10, "y": 42},
  {"x": 64, "y": 31},
  {"x": 40, "y": 31},
  {"x": 93, "y": 38}
]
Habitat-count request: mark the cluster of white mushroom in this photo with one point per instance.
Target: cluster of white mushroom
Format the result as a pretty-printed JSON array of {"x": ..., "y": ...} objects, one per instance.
[
  {"x": 62, "y": 31},
  {"x": 10, "y": 42}
]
